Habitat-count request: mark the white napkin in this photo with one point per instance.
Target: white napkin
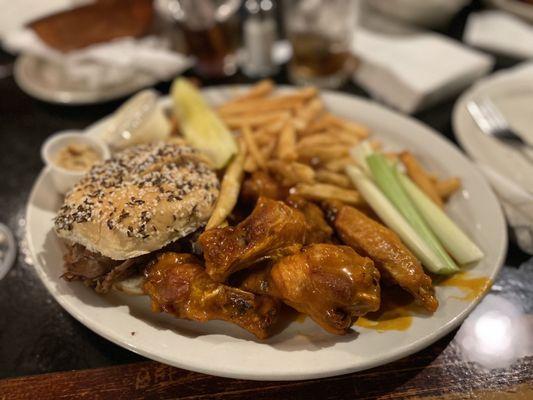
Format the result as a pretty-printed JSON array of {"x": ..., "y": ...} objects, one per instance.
[
  {"x": 103, "y": 64},
  {"x": 517, "y": 204},
  {"x": 500, "y": 32},
  {"x": 427, "y": 13},
  {"x": 16, "y": 14},
  {"x": 414, "y": 70}
]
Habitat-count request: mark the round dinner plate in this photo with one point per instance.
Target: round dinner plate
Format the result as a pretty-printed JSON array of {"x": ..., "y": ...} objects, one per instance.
[
  {"x": 302, "y": 350},
  {"x": 512, "y": 92}
]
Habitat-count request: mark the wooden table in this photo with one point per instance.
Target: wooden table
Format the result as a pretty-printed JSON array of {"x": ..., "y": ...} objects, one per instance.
[{"x": 46, "y": 354}]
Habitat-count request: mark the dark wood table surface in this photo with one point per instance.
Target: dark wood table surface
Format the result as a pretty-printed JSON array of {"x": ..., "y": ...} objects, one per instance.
[{"x": 47, "y": 354}]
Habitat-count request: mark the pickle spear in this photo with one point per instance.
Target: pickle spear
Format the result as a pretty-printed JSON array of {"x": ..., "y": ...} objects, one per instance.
[{"x": 200, "y": 126}]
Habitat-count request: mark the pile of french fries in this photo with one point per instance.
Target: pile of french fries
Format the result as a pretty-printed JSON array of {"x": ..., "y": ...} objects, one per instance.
[{"x": 303, "y": 146}]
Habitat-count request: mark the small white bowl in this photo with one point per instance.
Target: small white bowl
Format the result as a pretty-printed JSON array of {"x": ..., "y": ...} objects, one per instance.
[{"x": 65, "y": 179}]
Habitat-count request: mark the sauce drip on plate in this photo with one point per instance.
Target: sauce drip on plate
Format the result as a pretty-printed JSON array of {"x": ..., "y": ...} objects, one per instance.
[
  {"x": 398, "y": 307},
  {"x": 300, "y": 318},
  {"x": 395, "y": 314},
  {"x": 394, "y": 320},
  {"x": 472, "y": 287}
]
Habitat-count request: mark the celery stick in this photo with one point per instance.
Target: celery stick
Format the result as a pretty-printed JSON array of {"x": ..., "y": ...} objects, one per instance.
[
  {"x": 383, "y": 174},
  {"x": 395, "y": 221},
  {"x": 360, "y": 152},
  {"x": 200, "y": 125},
  {"x": 451, "y": 236}
]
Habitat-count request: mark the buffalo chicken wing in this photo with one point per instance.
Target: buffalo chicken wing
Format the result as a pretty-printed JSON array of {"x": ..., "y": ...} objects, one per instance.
[
  {"x": 177, "y": 284},
  {"x": 260, "y": 184},
  {"x": 395, "y": 262},
  {"x": 332, "y": 284},
  {"x": 272, "y": 230},
  {"x": 318, "y": 230}
]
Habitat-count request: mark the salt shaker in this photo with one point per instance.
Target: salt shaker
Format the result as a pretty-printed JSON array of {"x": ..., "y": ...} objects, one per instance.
[{"x": 259, "y": 37}]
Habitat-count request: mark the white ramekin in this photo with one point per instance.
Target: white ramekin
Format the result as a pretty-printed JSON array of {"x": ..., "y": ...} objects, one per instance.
[{"x": 62, "y": 178}]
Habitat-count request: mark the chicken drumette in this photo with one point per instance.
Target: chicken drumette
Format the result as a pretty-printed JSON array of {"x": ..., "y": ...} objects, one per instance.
[
  {"x": 395, "y": 262},
  {"x": 261, "y": 184},
  {"x": 318, "y": 230},
  {"x": 332, "y": 284},
  {"x": 272, "y": 230},
  {"x": 177, "y": 284}
]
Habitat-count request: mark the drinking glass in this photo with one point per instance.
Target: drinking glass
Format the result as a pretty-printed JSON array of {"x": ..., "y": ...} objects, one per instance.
[
  {"x": 321, "y": 33},
  {"x": 211, "y": 33}
]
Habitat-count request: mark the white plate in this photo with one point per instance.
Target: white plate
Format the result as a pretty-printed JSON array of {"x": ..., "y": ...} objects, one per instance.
[
  {"x": 516, "y": 7},
  {"x": 38, "y": 78},
  {"x": 302, "y": 350},
  {"x": 512, "y": 92}
]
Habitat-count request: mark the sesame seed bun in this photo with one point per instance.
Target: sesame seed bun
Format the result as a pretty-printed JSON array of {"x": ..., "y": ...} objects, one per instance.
[{"x": 139, "y": 200}]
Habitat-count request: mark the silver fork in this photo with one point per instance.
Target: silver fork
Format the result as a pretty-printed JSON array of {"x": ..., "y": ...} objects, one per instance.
[{"x": 492, "y": 123}]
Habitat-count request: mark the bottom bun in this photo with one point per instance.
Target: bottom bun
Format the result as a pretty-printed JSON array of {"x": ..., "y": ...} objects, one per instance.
[{"x": 132, "y": 285}]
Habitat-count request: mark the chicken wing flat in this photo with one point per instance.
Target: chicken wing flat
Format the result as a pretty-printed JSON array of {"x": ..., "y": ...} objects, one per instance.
[
  {"x": 395, "y": 262},
  {"x": 318, "y": 230},
  {"x": 330, "y": 283},
  {"x": 177, "y": 284},
  {"x": 272, "y": 230}
]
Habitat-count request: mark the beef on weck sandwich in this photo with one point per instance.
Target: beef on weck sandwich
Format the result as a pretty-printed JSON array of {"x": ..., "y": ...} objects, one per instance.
[{"x": 141, "y": 200}]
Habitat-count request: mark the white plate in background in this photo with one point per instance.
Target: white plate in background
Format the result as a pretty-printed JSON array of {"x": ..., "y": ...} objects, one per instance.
[
  {"x": 38, "y": 77},
  {"x": 512, "y": 92},
  {"x": 301, "y": 350}
]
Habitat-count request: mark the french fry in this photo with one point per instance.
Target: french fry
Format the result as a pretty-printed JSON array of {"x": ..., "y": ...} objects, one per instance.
[
  {"x": 330, "y": 121},
  {"x": 328, "y": 137},
  {"x": 174, "y": 125},
  {"x": 238, "y": 121},
  {"x": 352, "y": 127},
  {"x": 339, "y": 164},
  {"x": 324, "y": 191},
  {"x": 307, "y": 113},
  {"x": 286, "y": 149},
  {"x": 229, "y": 189},
  {"x": 267, "y": 150},
  {"x": 334, "y": 178},
  {"x": 251, "y": 145},
  {"x": 274, "y": 127},
  {"x": 321, "y": 153},
  {"x": 447, "y": 187},
  {"x": 263, "y": 138},
  {"x": 321, "y": 123},
  {"x": 249, "y": 164},
  {"x": 289, "y": 174},
  {"x": 434, "y": 178},
  {"x": 260, "y": 89},
  {"x": 393, "y": 156},
  {"x": 346, "y": 137},
  {"x": 420, "y": 177},
  {"x": 317, "y": 139},
  {"x": 375, "y": 144},
  {"x": 257, "y": 106}
]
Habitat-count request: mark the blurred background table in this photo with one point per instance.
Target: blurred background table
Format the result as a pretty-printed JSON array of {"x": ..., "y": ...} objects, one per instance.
[{"x": 47, "y": 354}]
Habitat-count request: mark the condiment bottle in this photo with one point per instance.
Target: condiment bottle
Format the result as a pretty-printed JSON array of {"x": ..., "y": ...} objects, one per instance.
[{"x": 259, "y": 32}]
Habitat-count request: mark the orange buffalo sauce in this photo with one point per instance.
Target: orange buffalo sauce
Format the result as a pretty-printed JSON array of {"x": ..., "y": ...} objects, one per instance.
[
  {"x": 472, "y": 287},
  {"x": 388, "y": 321},
  {"x": 395, "y": 314},
  {"x": 398, "y": 308},
  {"x": 300, "y": 318}
]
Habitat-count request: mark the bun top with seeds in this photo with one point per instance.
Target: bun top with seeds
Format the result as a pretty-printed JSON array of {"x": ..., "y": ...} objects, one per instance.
[{"x": 139, "y": 201}]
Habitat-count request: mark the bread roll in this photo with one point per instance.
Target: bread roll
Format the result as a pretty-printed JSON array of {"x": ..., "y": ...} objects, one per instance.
[{"x": 139, "y": 201}]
